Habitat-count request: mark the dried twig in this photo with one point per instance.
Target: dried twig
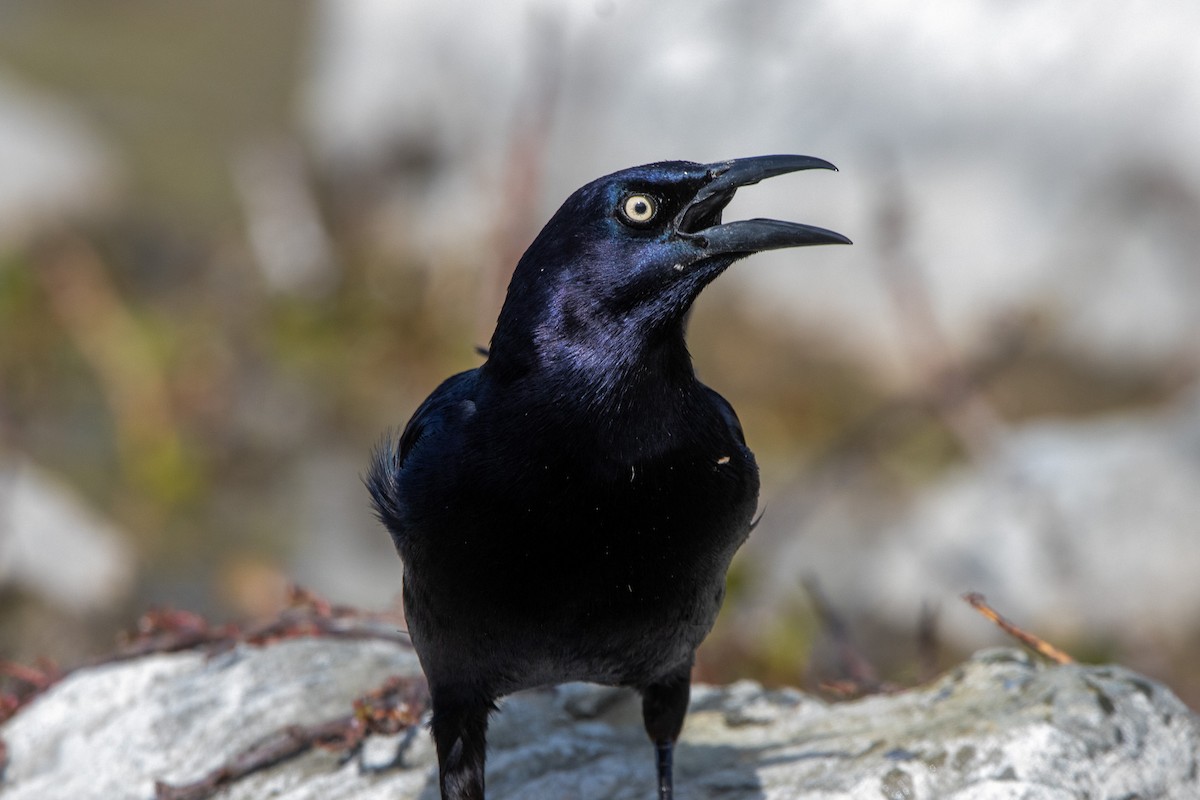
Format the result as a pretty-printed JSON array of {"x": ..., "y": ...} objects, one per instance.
[
  {"x": 392, "y": 708},
  {"x": 24, "y": 683},
  {"x": 1034, "y": 643},
  {"x": 311, "y": 615},
  {"x": 39, "y": 677},
  {"x": 171, "y": 631}
]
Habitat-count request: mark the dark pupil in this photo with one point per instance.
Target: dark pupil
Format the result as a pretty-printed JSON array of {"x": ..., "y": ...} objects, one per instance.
[{"x": 640, "y": 207}]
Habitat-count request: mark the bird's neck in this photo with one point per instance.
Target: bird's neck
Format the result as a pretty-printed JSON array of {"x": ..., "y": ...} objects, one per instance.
[{"x": 620, "y": 382}]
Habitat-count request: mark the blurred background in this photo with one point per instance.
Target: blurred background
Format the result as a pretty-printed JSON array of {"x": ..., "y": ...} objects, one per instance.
[{"x": 238, "y": 242}]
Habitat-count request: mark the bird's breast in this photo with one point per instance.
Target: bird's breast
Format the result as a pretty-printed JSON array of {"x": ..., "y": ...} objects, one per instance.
[
  {"x": 552, "y": 537},
  {"x": 567, "y": 521}
]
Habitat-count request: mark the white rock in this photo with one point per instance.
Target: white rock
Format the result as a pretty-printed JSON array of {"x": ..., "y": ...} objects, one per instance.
[{"x": 996, "y": 727}]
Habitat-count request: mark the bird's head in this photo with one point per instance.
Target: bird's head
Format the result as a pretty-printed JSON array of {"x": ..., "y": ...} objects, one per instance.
[{"x": 620, "y": 263}]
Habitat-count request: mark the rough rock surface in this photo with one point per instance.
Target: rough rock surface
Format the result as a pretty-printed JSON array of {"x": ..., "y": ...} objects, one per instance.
[{"x": 998, "y": 727}]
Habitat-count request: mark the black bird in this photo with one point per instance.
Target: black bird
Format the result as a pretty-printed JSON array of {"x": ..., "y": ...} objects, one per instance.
[{"x": 568, "y": 510}]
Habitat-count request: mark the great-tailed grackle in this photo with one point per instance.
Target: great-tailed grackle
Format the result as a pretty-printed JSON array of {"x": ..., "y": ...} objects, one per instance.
[{"x": 568, "y": 510}]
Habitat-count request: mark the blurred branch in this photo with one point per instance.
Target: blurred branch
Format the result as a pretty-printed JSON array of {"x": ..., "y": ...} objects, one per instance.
[
  {"x": 952, "y": 393},
  {"x": 927, "y": 643},
  {"x": 114, "y": 345},
  {"x": 858, "y": 675},
  {"x": 521, "y": 183},
  {"x": 959, "y": 384},
  {"x": 287, "y": 235}
]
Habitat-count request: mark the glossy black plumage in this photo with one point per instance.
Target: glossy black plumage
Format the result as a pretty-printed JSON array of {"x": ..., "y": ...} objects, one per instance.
[{"x": 568, "y": 510}]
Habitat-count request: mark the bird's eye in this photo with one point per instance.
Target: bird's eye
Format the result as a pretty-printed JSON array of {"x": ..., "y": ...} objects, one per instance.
[{"x": 639, "y": 208}]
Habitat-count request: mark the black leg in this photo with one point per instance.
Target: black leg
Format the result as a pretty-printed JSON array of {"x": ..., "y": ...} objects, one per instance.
[
  {"x": 664, "y": 704},
  {"x": 460, "y": 734},
  {"x": 664, "y": 753}
]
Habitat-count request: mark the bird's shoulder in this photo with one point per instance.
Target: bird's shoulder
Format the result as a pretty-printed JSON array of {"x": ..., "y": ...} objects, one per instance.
[
  {"x": 727, "y": 414},
  {"x": 449, "y": 404},
  {"x": 443, "y": 412}
]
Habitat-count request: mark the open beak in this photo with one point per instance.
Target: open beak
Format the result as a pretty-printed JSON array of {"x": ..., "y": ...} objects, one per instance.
[{"x": 700, "y": 222}]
